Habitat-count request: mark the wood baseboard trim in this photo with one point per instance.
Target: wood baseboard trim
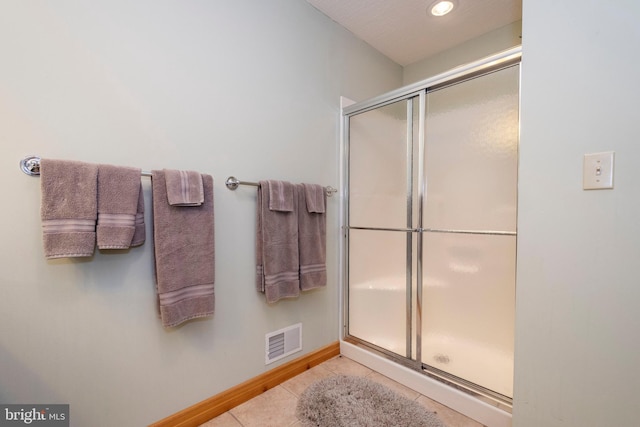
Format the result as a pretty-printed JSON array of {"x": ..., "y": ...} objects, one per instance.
[{"x": 216, "y": 405}]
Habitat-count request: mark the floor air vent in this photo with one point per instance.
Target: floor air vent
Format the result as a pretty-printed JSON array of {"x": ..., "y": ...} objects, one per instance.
[{"x": 282, "y": 343}]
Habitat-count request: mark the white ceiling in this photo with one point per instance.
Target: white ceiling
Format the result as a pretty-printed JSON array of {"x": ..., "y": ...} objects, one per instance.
[{"x": 406, "y": 33}]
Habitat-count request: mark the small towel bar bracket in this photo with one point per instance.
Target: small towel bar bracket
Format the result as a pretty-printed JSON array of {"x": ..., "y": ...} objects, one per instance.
[
  {"x": 30, "y": 165},
  {"x": 330, "y": 190},
  {"x": 232, "y": 183}
]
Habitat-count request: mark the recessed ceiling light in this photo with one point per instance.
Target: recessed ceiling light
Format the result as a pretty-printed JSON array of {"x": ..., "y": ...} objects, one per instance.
[{"x": 441, "y": 8}]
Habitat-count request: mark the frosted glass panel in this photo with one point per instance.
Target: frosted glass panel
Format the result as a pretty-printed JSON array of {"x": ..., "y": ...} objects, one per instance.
[
  {"x": 377, "y": 288},
  {"x": 469, "y": 307},
  {"x": 378, "y": 167},
  {"x": 471, "y": 154},
  {"x": 465, "y": 321}
]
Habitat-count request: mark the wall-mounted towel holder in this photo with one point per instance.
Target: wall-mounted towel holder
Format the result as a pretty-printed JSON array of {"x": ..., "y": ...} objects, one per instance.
[
  {"x": 31, "y": 166},
  {"x": 232, "y": 183}
]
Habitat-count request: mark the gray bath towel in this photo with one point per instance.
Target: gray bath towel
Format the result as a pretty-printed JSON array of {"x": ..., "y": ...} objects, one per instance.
[
  {"x": 312, "y": 230},
  {"x": 184, "y": 254},
  {"x": 277, "y": 241},
  {"x": 184, "y": 188},
  {"x": 140, "y": 233},
  {"x": 118, "y": 196},
  {"x": 69, "y": 208},
  {"x": 281, "y": 196},
  {"x": 315, "y": 198}
]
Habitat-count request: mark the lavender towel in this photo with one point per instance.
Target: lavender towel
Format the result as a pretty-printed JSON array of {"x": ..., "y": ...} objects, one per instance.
[
  {"x": 139, "y": 233},
  {"x": 281, "y": 196},
  {"x": 315, "y": 198},
  {"x": 184, "y": 188},
  {"x": 118, "y": 196},
  {"x": 312, "y": 226},
  {"x": 277, "y": 242},
  {"x": 184, "y": 254},
  {"x": 68, "y": 208}
]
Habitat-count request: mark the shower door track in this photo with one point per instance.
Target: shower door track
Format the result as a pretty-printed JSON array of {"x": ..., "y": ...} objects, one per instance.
[{"x": 419, "y": 90}]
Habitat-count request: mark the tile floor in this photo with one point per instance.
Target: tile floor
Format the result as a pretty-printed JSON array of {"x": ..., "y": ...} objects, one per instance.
[{"x": 277, "y": 407}]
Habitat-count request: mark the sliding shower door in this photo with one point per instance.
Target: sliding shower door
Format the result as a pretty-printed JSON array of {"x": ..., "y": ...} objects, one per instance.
[
  {"x": 469, "y": 239},
  {"x": 381, "y": 218},
  {"x": 430, "y": 231}
]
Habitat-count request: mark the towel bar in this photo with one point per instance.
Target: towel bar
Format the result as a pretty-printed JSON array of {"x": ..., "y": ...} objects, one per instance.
[
  {"x": 31, "y": 166},
  {"x": 232, "y": 183}
]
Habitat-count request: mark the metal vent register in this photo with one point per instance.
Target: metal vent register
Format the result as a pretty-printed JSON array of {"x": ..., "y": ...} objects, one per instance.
[{"x": 282, "y": 343}]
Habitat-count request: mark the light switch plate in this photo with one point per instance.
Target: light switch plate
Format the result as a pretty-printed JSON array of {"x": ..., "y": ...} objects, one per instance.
[{"x": 597, "y": 171}]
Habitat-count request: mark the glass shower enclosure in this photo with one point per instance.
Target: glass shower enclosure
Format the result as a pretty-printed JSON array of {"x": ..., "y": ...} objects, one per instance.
[{"x": 430, "y": 225}]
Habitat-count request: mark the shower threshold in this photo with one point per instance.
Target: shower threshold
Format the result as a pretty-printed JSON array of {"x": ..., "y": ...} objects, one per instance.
[{"x": 501, "y": 402}]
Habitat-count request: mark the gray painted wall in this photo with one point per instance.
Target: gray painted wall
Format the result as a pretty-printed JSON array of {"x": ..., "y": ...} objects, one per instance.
[
  {"x": 237, "y": 87},
  {"x": 577, "y": 317}
]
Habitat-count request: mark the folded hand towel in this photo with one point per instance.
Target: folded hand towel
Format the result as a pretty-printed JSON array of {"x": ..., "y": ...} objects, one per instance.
[
  {"x": 118, "y": 195},
  {"x": 69, "y": 207},
  {"x": 140, "y": 234},
  {"x": 184, "y": 254},
  {"x": 316, "y": 198},
  {"x": 280, "y": 196},
  {"x": 312, "y": 225},
  {"x": 184, "y": 188},
  {"x": 277, "y": 244}
]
